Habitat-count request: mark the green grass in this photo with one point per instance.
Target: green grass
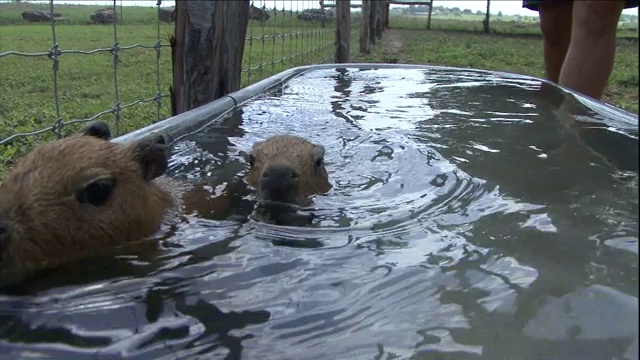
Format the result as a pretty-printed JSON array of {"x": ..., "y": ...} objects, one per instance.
[{"x": 86, "y": 82}]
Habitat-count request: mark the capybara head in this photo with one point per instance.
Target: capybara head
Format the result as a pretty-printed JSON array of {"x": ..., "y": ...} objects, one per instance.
[
  {"x": 81, "y": 193},
  {"x": 287, "y": 169}
]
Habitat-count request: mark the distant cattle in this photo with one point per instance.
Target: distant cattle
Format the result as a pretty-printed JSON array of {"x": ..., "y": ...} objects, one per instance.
[
  {"x": 103, "y": 16},
  {"x": 167, "y": 14},
  {"x": 258, "y": 14},
  {"x": 39, "y": 16},
  {"x": 315, "y": 15}
]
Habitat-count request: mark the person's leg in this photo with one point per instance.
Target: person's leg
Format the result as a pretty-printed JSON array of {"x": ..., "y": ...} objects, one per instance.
[
  {"x": 589, "y": 60},
  {"x": 555, "y": 23}
]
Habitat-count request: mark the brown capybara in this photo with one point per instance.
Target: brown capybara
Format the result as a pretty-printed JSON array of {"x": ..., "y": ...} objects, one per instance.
[
  {"x": 81, "y": 193},
  {"x": 287, "y": 169}
]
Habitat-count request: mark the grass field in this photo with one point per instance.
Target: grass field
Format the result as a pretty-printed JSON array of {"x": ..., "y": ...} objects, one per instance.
[{"x": 86, "y": 82}]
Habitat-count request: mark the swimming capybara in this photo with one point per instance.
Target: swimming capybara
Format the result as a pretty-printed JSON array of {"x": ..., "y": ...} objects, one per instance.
[
  {"x": 77, "y": 194},
  {"x": 71, "y": 197},
  {"x": 287, "y": 169}
]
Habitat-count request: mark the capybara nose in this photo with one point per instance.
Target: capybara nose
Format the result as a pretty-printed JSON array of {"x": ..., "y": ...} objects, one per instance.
[{"x": 278, "y": 183}]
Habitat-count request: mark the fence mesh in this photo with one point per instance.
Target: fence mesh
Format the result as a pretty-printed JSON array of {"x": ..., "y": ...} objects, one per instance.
[
  {"x": 55, "y": 54},
  {"x": 281, "y": 34},
  {"x": 458, "y": 18},
  {"x": 294, "y": 33}
]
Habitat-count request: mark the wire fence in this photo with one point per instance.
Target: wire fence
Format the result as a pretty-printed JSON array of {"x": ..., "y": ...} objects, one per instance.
[
  {"x": 296, "y": 33},
  {"x": 56, "y": 52},
  {"x": 458, "y": 18},
  {"x": 281, "y": 34},
  {"x": 416, "y": 17}
]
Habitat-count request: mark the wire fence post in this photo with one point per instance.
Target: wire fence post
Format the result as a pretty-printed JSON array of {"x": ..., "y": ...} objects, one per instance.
[
  {"x": 115, "y": 51},
  {"x": 54, "y": 53},
  {"x": 364, "y": 27},
  {"x": 343, "y": 30},
  {"x": 157, "y": 47}
]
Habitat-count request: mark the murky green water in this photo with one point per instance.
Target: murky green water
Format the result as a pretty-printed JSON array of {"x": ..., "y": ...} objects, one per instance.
[{"x": 472, "y": 217}]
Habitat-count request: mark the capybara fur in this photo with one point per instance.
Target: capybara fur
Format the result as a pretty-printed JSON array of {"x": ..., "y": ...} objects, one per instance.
[
  {"x": 287, "y": 169},
  {"x": 81, "y": 193}
]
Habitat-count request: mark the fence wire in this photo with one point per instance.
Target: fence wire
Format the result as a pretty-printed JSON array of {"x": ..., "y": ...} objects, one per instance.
[
  {"x": 416, "y": 17},
  {"x": 285, "y": 34}
]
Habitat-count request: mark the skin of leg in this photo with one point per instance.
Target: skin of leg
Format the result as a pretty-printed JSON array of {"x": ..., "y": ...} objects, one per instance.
[
  {"x": 589, "y": 60},
  {"x": 555, "y": 23}
]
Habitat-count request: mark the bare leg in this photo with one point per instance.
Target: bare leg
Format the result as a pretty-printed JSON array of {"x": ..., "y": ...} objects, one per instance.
[
  {"x": 589, "y": 60},
  {"x": 555, "y": 23}
]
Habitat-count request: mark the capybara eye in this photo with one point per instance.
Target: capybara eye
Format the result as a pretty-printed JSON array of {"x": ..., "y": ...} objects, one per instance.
[
  {"x": 319, "y": 163},
  {"x": 252, "y": 160},
  {"x": 97, "y": 192}
]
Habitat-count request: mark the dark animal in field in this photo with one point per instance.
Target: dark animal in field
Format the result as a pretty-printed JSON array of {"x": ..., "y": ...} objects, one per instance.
[
  {"x": 39, "y": 16},
  {"x": 167, "y": 14},
  {"x": 103, "y": 16},
  {"x": 315, "y": 15},
  {"x": 258, "y": 14}
]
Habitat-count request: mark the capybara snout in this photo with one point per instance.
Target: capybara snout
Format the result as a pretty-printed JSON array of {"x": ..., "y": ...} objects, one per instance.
[
  {"x": 287, "y": 169},
  {"x": 73, "y": 195},
  {"x": 279, "y": 183}
]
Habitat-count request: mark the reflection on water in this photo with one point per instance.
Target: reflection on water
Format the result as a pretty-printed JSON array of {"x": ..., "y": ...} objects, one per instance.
[{"x": 471, "y": 216}]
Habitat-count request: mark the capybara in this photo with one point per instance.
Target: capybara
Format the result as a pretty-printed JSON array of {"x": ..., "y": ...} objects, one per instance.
[
  {"x": 81, "y": 193},
  {"x": 287, "y": 169},
  {"x": 72, "y": 197}
]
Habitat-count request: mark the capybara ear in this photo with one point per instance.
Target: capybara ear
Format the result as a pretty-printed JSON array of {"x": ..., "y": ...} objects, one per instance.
[
  {"x": 163, "y": 139},
  {"x": 318, "y": 152},
  {"x": 97, "y": 129},
  {"x": 153, "y": 156}
]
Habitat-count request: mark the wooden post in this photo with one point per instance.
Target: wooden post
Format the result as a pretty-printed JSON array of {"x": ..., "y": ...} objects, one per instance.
[
  {"x": 343, "y": 30},
  {"x": 323, "y": 17},
  {"x": 207, "y": 51},
  {"x": 385, "y": 23},
  {"x": 364, "y": 27},
  {"x": 429, "y": 17},
  {"x": 485, "y": 23},
  {"x": 230, "y": 20},
  {"x": 372, "y": 20},
  {"x": 379, "y": 17}
]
